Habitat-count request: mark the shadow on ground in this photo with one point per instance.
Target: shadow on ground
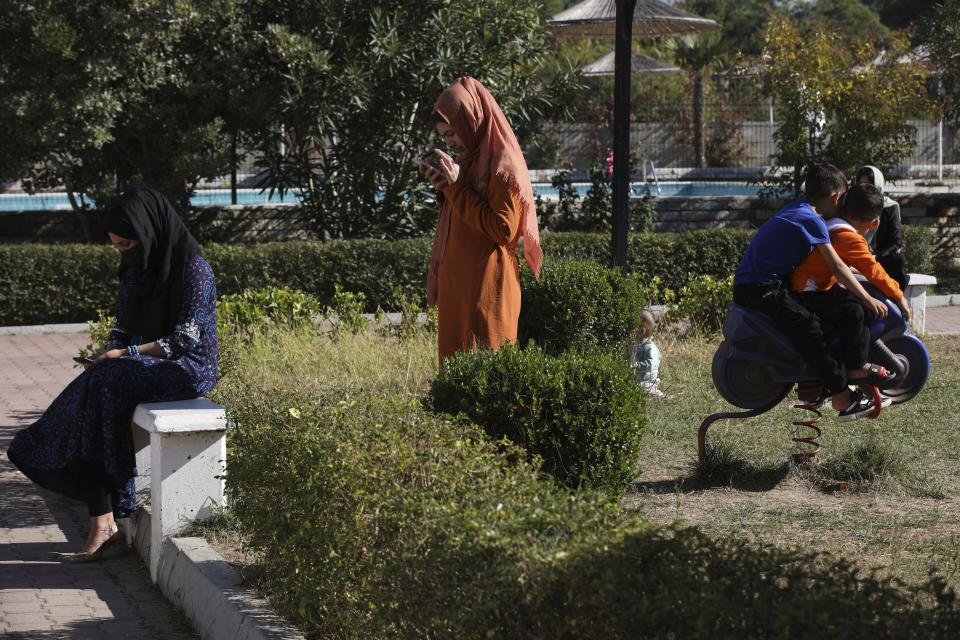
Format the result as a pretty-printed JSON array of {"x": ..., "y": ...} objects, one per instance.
[{"x": 755, "y": 479}]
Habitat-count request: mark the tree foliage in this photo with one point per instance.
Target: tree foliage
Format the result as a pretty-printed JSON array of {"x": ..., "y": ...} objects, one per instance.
[
  {"x": 335, "y": 96},
  {"x": 851, "y": 17},
  {"x": 940, "y": 33},
  {"x": 834, "y": 103},
  {"x": 94, "y": 96},
  {"x": 357, "y": 88}
]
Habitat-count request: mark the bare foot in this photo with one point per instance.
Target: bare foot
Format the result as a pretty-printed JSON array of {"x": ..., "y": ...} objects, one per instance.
[{"x": 97, "y": 537}]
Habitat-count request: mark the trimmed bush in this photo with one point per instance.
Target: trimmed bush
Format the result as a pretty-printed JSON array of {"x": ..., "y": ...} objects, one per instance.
[
  {"x": 581, "y": 413},
  {"x": 70, "y": 283},
  {"x": 581, "y": 305},
  {"x": 375, "y": 520},
  {"x": 56, "y": 283},
  {"x": 918, "y": 248}
]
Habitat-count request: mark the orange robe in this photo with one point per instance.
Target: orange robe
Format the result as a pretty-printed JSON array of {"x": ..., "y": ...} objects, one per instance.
[{"x": 478, "y": 280}]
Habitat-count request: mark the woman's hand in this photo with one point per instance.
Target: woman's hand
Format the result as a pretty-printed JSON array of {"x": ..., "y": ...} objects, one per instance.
[
  {"x": 111, "y": 354},
  {"x": 449, "y": 167},
  {"x": 434, "y": 175}
]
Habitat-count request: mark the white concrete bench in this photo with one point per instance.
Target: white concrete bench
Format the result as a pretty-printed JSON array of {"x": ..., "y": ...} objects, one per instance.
[
  {"x": 916, "y": 295},
  {"x": 181, "y": 450}
]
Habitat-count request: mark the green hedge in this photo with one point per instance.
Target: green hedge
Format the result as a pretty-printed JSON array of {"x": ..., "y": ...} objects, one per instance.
[
  {"x": 582, "y": 413},
  {"x": 376, "y": 520},
  {"x": 70, "y": 283}
]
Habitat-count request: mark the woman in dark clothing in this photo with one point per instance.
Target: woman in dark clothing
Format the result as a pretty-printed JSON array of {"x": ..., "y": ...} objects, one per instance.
[
  {"x": 886, "y": 241},
  {"x": 163, "y": 347}
]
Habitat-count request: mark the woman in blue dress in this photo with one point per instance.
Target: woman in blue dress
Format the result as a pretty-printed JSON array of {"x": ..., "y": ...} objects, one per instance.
[{"x": 163, "y": 347}]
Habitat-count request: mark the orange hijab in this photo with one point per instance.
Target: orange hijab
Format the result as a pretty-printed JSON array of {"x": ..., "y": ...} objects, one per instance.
[{"x": 478, "y": 121}]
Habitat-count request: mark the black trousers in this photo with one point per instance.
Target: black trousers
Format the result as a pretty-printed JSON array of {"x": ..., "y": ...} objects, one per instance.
[
  {"x": 98, "y": 498},
  {"x": 841, "y": 315},
  {"x": 798, "y": 323},
  {"x": 896, "y": 268}
]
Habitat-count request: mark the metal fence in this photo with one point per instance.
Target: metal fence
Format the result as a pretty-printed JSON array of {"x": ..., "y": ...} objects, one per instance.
[
  {"x": 737, "y": 136},
  {"x": 669, "y": 143}
]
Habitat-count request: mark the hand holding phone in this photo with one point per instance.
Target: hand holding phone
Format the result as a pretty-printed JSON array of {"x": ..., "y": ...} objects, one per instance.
[
  {"x": 431, "y": 171},
  {"x": 424, "y": 162},
  {"x": 83, "y": 360}
]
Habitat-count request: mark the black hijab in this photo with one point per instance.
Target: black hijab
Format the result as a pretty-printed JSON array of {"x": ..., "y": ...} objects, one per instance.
[{"x": 154, "y": 301}]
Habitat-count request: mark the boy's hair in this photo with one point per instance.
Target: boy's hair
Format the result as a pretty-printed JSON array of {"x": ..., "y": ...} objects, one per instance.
[
  {"x": 863, "y": 202},
  {"x": 824, "y": 180}
]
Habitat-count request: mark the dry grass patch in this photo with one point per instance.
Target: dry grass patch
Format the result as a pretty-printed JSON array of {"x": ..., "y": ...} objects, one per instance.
[{"x": 901, "y": 513}]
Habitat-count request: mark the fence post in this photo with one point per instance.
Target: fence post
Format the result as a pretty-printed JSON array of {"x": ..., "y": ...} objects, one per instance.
[{"x": 940, "y": 149}]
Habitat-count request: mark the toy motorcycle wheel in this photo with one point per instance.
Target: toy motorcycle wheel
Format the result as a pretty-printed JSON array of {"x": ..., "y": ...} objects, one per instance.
[
  {"x": 914, "y": 357},
  {"x": 744, "y": 383}
]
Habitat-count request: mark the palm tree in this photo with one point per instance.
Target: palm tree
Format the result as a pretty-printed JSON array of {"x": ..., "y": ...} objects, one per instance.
[{"x": 699, "y": 55}]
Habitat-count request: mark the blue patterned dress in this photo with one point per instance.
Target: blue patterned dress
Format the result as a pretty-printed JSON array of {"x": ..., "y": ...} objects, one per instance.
[{"x": 87, "y": 427}]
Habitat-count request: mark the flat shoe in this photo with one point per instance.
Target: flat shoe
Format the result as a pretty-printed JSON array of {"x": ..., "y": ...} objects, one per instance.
[{"x": 93, "y": 556}]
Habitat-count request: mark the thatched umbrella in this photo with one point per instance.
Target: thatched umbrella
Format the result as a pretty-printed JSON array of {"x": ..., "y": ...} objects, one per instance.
[
  {"x": 623, "y": 19},
  {"x": 597, "y": 18},
  {"x": 639, "y": 63}
]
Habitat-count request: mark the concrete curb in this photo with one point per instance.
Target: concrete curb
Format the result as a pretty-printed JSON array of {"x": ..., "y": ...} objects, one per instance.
[
  {"x": 211, "y": 593},
  {"x": 38, "y": 329},
  {"x": 208, "y": 590},
  {"x": 949, "y": 300}
]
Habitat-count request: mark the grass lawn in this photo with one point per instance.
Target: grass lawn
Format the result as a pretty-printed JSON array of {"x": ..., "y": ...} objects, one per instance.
[{"x": 901, "y": 514}]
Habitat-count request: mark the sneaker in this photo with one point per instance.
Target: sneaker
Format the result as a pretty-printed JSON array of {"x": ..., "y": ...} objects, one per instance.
[{"x": 861, "y": 405}]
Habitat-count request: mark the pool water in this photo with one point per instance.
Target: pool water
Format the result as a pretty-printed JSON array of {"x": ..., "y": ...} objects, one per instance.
[
  {"x": 54, "y": 201},
  {"x": 57, "y": 201}
]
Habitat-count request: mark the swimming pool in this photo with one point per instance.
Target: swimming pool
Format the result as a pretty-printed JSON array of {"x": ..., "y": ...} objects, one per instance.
[
  {"x": 55, "y": 201},
  {"x": 58, "y": 201}
]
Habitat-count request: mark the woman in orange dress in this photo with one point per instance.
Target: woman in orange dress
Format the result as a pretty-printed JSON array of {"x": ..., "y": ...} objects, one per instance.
[{"x": 486, "y": 205}]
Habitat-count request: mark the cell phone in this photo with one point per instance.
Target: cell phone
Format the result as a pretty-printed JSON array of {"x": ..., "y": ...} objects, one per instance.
[
  {"x": 82, "y": 360},
  {"x": 424, "y": 160}
]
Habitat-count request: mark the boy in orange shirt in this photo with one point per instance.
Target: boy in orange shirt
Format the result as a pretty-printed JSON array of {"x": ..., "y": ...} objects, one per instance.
[{"x": 859, "y": 212}]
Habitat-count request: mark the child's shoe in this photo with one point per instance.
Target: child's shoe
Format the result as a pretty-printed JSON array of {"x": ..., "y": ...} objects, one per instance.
[{"x": 861, "y": 405}]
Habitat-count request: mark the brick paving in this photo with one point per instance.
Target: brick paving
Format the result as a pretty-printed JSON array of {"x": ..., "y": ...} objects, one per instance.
[
  {"x": 943, "y": 320},
  {"x": 41, "y": 598}
]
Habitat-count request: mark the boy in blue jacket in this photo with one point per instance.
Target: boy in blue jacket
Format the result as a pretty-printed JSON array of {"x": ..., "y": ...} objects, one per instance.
[{"x": 761, "y": 282}]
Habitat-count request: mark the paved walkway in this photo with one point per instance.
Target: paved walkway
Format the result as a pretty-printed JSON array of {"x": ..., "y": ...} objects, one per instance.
[
  {"x": 41, "y": 598},
  {"x": 943, "y": 320}
]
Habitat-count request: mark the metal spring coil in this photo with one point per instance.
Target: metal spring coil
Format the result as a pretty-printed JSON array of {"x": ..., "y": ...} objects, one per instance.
[{"x": 807, "y": 444}]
